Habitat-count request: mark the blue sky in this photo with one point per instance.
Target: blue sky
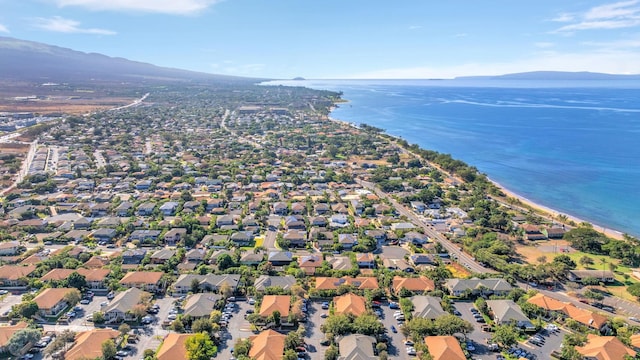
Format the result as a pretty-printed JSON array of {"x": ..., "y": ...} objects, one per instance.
[{"x": 341, "y": 38}]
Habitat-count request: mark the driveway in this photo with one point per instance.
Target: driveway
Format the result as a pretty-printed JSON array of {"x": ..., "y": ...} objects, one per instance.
[
  {"x": 478, "y": 336},
  {"x": 395, "y": 347}
]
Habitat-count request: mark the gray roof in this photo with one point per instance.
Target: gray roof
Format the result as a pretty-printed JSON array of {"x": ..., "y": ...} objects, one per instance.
[
  {"x": 185, "y": 280},
  {"x": 163, "y": 254},
  {"x": 505, "y": 311},
  {"x": 125, "y": 300},
  {"x": 201, "y": 305},
  {"x": 265, "y": 281},
  {"x": 357, "y": 347},
  {"x": 474, "y": 284},
  {"x": 427, "y": 307}
]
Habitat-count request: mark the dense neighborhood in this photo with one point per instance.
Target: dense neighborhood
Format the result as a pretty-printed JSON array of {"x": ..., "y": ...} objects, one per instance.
[{"x": 243, "y": 223}]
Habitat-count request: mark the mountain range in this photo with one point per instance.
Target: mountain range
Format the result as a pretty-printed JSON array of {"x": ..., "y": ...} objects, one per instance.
[
  {"x": 553, "y": 75},
  {"x": 22, "y": 60}
]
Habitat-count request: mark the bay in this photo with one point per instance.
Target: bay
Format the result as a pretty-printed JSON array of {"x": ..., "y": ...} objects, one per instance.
[{"x": 570, "y": 146}]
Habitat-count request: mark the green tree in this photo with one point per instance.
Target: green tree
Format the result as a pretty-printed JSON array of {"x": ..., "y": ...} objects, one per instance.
[
  {"x": 224, "y": 261},
  {"x": 77, "y": 281},
  {"x": 586, "y": 261},
  {"x": 72, "y": 297},
  {"x": 200, "y": 347},
  {"x": 290, "y": 354},
  {"x": 21, "y": 338},
  {"x": 124, "y": 329},
  {"x": 634, "y": 289},
  {"x": 242, "y": 348},
  {"x": 201, "y": 325},
  {"x": 109, "y": 350},
  {"x": 505, "y": 335},
  {"x": 98, "y": 317}
]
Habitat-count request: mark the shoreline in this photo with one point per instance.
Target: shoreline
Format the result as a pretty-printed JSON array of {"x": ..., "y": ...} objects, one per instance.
[
  {"x": 544, "y": 210},
  {"x": 553, "y": 213}
]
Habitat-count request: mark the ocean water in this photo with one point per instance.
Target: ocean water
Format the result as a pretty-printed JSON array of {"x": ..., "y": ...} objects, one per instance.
[{"x": 570, "y": 146}]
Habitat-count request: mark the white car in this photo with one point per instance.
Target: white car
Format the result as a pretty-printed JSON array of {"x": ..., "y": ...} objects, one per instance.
[
  {"x": 172, "y": 317},
  {"x": 252, "y": 301}
]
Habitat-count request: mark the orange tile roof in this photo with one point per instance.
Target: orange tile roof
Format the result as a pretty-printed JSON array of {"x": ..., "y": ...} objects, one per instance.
[
  {"x": 6, "y": 332},
  {"x": 268, "y": 345},
  {"x": 173, "y": 347},
  {"x": 96, "y": 262},
  {"x": 15, "y": 272},
  {"x": 444, "y": 348},
  {"x": 635, "y": 340},
  {"x": 88, "y": 344},
  {"x": 331, "y": 283},
  {"x": 413, "y": 284},
  {"x": 141, "y": 277},
  {"x": 48, "y": 298},
  {"x": 583, "y": 316},
  {"x": 57, "y": 274},
  {"x": 94, "y": 274},
  {"x": 271, "y": 303},
  {"x": 350, "y": 304},
  {"x": 604, "y": 348}
]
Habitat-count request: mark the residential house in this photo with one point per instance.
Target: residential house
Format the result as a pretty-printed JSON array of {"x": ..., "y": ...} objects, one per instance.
[
  {"x": 583, "y": 316},
  {"x": 173, "y": 347},
  {"x": 279, "y": 208},
  {"x": 444, "y": 348},
  {"x": 508, "y": 312},
  {"x": 397, "y": 264},
  {"x": 296, "y": 238},
  {"x": 252, "y": 259},
  {"x": 104, "y": 234},
  {"x": 402, "y": 226},
  {"x": 161, "y": 256},
  {"x": 268, "y": 345},
  {"x": 119, "y": 309},
  {"x": 271, "y": 303},
  {"x": 554, "y": 232},
  {"x": 321, "y": 209},
  {"x": 318, "y": 221},
  {"x": 146, "y": 209},
  {"x": 604, "y": 348},
  {"x": 169, "y": 208},
  {"x": 418, "y": 206},
  {"x": 95, "y": 278},
  {"x": 133, "y": 257},
  {"x": 149, "y": 281},
  {"x": 123, "y": 209},
  {"x": 338, "y": 221},
  {"x": 340, "y": 262},
  {"x": 200, "y": 305},
  {"x": 280, "y": 258},
  {"x": 144, "y": 236},
  {"x": 295, "y": 222},
  {"x": 601, "y": 275},
  {"x": 195, "y": 256},
  {"x": 423, "y": 260},
  {"x": 173, "y": 236},
  {"x": 415, "y": 284},
  {"x": 9, "y": 248},
  {"x": 309, "y": 263},
  {"x": 427, "y": 307},
  {"x": 88, "y": 344},
  {"x": 366, "y": 260},
  {"x": 416, "y": 238},
  {"x": 532, "y": 232},
  {"x": 6, "y": 333},
  {"x": 224, "y": 220},
  {"x": 15, "y": 275},
  {"x": 349, "y": 304},
  {"x": 357, "y": 347},
  {"x": 206, "y": 283},
  {"x": 51, "y": 301},
  {"x": 242, "y": 238},
  {"x": 458, "y": 287},
  {"x": 332, "y": 283},
  {"x": 348, "y": 241},
  {"x": 266, "y": 281},
  {"x": 96, "y": 262}
]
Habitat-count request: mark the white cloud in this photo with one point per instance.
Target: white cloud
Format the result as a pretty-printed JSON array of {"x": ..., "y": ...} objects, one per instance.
[
  {"x": 623, "y": 14},
  {"x": 544, "y": 45},
  {"x": 60, "y": 24},
  {"x": 606, "y": 61},
  {"x": 564, "y": 17},
  {"x": 3, "y": 29},
  {"x": 181, "y": 7}
]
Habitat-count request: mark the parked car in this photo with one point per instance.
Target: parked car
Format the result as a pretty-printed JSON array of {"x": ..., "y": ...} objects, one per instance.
[
  {"x": 85, "y": 301},
  {"x": 394, "y": 305},
  {"x": 325, "y": 305},
  {"x": 393, "y": 329}
]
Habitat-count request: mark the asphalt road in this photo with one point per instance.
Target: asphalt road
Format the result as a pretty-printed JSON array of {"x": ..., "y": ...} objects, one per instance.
[{"x": 452, "y": 248}]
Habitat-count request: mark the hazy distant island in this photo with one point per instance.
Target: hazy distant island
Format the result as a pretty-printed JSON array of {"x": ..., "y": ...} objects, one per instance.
[{"x": 554, "y": 75}]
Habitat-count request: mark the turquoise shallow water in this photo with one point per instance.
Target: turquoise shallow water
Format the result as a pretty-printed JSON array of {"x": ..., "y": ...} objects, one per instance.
[{"x": 573, "y": 147}]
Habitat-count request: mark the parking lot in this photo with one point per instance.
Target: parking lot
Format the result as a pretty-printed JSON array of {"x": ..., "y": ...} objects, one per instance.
[
  {"x": 478, "y": 336},
  {"x": 552, "y": 341},
  {"x": 395, "y": 348},
  {"x": 238, "y": 328},
  {"x": 8, "y": 301},
  {"x": 313, "y": 335}
]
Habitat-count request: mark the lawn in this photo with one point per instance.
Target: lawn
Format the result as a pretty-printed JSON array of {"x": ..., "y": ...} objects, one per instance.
[{"x": 458, "y": 271}]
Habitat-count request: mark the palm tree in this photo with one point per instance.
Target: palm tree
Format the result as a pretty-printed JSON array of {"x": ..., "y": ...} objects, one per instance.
[{"x": 603, "y": 261}]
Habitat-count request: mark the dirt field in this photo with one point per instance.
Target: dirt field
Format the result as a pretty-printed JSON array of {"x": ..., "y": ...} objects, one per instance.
[
  {"x": 549, "y": 248},
  {"x": 458, "y": 271}
]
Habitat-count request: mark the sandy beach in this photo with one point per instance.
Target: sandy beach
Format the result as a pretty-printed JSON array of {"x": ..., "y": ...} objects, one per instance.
[{"x": 553, "y": 214}]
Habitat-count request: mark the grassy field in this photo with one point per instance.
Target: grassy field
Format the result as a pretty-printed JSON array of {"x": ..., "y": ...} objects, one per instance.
[{"x": 458, "y": 271}]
